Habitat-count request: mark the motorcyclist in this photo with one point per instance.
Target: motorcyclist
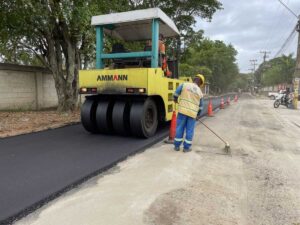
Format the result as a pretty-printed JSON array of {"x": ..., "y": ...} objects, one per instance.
[
  {"x": 286, "y": 95},
  {"x": 285, "y": 98}
]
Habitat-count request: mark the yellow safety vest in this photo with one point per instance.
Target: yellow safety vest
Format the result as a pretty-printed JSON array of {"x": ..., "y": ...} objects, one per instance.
[{"x": 189, "y": 100}]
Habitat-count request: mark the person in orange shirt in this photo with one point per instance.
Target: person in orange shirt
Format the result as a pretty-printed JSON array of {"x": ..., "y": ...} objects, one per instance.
[
  {"x": 162, "y": 46},
  {"x": 163, "y": 58},
  {"x": 162, "y": 53}
]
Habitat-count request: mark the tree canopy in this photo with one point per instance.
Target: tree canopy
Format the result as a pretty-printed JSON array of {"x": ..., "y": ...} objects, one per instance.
[
  {"x": 242, "y": 81},
  {"x": 58, "y": 35},
  {"x": 216, "y": 58},
  {"x": 277, "y": 71}
]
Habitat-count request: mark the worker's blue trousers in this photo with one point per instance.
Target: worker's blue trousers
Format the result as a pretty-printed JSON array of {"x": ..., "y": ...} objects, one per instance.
[{"x": 184, "y": 123}]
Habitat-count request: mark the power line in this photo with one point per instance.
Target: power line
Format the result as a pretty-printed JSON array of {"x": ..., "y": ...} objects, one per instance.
[
  {"x": 289, "y": 21},
  {"x": 291, "y": 11},
  {"x": 290, "y": 37},
  {"x": 286, "y": 43},
  {"x": 287, "y": 48},
  {"x": 289, "y": 42},
  {"x": 277, "y": 24}
]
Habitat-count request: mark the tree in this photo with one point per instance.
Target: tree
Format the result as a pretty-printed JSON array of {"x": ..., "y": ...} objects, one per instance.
[
  {"x": 192, "y": 39},
  {"x": 278, "y": 70},
  {"x": 187, "y": 70},
  {"x": 218, "y": 57},
  {"x": 242, "y": 81},
  {"x": 58, "y": 33},
  {"x": 183, "y": 12}
]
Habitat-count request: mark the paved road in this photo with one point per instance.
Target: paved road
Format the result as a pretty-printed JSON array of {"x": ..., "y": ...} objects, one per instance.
[{"x": 36, "y": 168}]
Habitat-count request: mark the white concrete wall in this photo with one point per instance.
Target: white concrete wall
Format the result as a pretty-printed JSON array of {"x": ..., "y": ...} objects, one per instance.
[{"x": 26, "y": 88}]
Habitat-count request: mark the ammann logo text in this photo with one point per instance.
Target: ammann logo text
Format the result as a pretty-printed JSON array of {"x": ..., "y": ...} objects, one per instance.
[{"x": 112, "y": 77}]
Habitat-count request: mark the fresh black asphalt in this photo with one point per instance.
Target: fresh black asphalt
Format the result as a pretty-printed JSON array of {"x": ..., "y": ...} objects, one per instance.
[{"x": 36, "y": 168}]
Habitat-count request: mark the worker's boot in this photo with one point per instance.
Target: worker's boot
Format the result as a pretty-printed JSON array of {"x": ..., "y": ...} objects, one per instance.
[
  {"x": 187, "y": 150},
  {"x": 177, "y": 149}
]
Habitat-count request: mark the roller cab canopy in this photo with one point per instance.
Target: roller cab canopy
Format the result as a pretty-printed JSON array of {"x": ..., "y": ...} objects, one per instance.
[{"x": 135, "y": 25}]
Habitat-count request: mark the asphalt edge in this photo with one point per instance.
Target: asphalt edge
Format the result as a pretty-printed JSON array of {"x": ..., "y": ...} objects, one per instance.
[{"x": 39, "y": 131}]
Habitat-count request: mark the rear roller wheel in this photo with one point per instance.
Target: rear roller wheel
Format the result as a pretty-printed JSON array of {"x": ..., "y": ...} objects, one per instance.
[
  {"x": 88, "y": 115},
  {"x": 143, "y": 118},
  {"x": 104, "y": 117},
  {"x": 120, "y": 118}
]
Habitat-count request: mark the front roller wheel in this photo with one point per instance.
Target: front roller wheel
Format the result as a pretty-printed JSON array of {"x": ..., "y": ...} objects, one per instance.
[
  {"x": 120, "y": 118},
  {"x": 88, "y": 115},
  {"x": 143, "y": 118},
  {"x": 104, "y": 116}
]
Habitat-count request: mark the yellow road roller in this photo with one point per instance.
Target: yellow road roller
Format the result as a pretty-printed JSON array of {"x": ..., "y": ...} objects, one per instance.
[{"x": 128, "y": 93}]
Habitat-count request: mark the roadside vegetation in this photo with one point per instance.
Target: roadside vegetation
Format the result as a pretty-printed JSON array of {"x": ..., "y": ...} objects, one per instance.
[
  {"x": 277, "y": 71},
  {"x": 242, "y": 82},
  {"x": 215, "y": 59},
  {"x": 57, "y": 34}
]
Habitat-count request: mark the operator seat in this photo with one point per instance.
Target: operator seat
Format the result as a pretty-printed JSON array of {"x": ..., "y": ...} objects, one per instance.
[{"x": 124, "y": 63}]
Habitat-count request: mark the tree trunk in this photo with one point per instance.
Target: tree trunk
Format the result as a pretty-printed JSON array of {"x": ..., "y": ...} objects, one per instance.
[
  {"x": 65, "y": 73},
  {"x": 67, "y": 98},
  {"x": 67, "y": 94},
  {"x": 67, "y": 88}
]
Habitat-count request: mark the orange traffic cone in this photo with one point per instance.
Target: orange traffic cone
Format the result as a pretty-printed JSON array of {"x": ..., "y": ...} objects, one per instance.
[
  {"x": 209, "y": 109},
  {"x": 228, "y": 101},
  {"x": 222, "y": 104},
  {"x": 172, "y": 132},
  {"x": 235, "y": 98}
]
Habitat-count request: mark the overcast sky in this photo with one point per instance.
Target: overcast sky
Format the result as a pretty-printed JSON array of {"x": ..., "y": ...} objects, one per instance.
[{"x": 252, "y": 26}]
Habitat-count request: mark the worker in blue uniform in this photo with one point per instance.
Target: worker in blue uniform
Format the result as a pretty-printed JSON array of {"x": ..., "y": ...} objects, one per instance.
[{"x": 190, "y": 103}]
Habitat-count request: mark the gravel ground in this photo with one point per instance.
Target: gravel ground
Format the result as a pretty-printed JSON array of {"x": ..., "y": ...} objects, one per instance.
[
  {"x": 16, "y": 123},
  {"x": 258, "y": 183}
]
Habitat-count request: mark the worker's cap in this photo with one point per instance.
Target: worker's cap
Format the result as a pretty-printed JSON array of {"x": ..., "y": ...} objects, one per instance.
[{"x": 202, "y": 78}]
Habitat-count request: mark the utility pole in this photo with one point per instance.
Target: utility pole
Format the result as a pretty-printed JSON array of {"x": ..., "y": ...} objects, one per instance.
[
  {"x": 253, "y": 64},
  {"x": 297, "y": 69},
  {"x": 251, "y": 69},
  {"x": 251, "y": 81},
  {"x": 265, "y": 55}
]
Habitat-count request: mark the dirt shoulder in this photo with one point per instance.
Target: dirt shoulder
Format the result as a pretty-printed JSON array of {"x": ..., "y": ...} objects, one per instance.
[{"x": 16, "y": 123}]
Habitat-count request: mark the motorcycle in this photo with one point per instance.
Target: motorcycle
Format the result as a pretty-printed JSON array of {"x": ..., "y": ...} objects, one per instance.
[{"x": 282, "y": 100}]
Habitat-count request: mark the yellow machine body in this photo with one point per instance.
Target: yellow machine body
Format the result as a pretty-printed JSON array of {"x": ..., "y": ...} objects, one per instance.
[{"x": 151, "y": 81}]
